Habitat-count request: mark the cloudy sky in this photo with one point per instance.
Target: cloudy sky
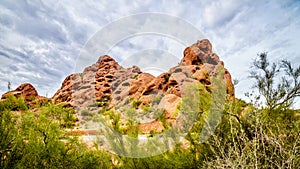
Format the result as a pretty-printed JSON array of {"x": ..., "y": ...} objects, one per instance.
[{"x": 41, "y": 41}]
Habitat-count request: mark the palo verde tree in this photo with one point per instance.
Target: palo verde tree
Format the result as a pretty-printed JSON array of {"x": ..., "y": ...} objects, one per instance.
[{"x": 279, "y": 83}]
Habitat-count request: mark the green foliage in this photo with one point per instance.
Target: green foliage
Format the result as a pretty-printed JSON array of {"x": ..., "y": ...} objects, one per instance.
[
  {"x": 163, "y": 119},
  {"x": 255, "y": 140},
  {"x": 176, "y": 158},
  {"x": 146, "y": 107},
  {"x": 136, "y": 103},
  {"x": 13, "y": 103},
  {"x": 157, "y": 99},
  {"x": 112, "y": 118},
  {"x": 86, "y": 113},
  {"x": 167, "y": 77},
  {"x": 102, "y": 102},
  {"x": 205, "y": 74},
  {"x": 8, "y": 138},
  {"x": 63, "y": 115},
  {"x": 136, "y": 76},
  {"x": 35, "y": 138}
]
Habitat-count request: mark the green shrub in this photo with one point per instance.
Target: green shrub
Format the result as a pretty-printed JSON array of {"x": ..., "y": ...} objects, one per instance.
[
  {"x": 37, "y": 140},
  {"x": 135, "y": 104},
  {"x": 157, "y": 99},
  {"x": 167, "y": 77},
  {"x": 86, "y": 113},
  {"x": 13, "y": 103},
  {"x": 146, "y": 107}
]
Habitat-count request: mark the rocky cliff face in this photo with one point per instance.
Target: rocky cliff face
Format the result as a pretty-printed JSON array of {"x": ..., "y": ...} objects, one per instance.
[
  {"x": 96, "y": 83},
  {"x": 107, "y": 84}
]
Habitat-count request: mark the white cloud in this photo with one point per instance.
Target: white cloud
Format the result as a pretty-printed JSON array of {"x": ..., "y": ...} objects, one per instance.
[{"x": 218, "y": 13}]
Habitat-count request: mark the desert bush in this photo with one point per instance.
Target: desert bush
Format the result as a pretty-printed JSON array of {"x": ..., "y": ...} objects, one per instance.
[
  {"x": 263, "y": 136},
  {"x": 86, "y": 113},
  {"x": 136, "y": 103},
  {"x": 36, "y": 139},
  {"x": 279, "y": 84},
  {"x": 13, "y": 103},
  {"x": 254, "y": 141}
]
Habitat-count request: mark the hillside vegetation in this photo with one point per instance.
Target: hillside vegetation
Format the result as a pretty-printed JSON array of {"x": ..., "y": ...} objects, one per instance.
[{"x": 250, "y": 135}]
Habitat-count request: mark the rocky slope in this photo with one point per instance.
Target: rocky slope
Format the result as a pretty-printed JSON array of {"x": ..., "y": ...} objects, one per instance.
[{"x": 106, "y": 84}]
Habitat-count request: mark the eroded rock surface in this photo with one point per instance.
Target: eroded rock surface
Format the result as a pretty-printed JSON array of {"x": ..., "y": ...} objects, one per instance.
[{"x": 108, "y": 85}]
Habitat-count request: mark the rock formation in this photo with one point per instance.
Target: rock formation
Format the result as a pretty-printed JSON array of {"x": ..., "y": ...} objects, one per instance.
[
  {"x": 96, "y": 83},
  {"x": 107, "y": 84},
  {"x": 27, "y": 91}
]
